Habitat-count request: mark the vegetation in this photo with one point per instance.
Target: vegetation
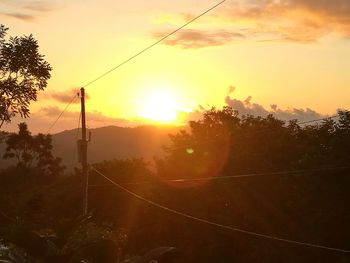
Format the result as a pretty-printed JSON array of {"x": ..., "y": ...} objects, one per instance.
[
  {"x": 32, "y": 151},
  {"x": 308, "y": 207},
  {"x": 23, "y": 72},
  {"x": 223, "y": 142},
  {"x": 40, "y": 203}
]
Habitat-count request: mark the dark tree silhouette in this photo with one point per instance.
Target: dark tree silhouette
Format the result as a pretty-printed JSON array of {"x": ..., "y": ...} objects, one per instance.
[
  {"x": 310, "y": 207},
  {"x": 204, "y": 151},
  {"x": 226, "y": 143},
  {"x": 32, "y": 151},
  {"x": 23, "y": 72}
]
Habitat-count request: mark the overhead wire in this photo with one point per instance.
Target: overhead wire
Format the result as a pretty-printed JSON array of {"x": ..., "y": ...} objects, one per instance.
[
  {"x": 155, "y": 43},
  {"x": 77, "y": 95},
  {"x": 61, "y": 113},
  {"x": 182, "y": 180},
  {"x": 208, "y": 222},
  {"x": 300, "y": 123},
  {"x": 321, "y": 119},
  {"x": 218, "y": 178},
  {"x": 237, "y": 176},
  {"x": 255, "y": 132},
  {"x": 138, "y": 54}
]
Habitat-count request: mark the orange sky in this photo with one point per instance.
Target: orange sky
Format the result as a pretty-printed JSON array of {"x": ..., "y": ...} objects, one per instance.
[{"x": 294, "y": 54}]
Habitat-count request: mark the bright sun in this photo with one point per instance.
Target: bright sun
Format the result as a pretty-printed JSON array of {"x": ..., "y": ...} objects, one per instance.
[{"x": 159, "y": 106}]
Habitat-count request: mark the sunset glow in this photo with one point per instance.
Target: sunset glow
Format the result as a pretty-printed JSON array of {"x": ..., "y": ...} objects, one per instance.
[
  {"x": 249, "y": 55},
  {"x": 159, "y": 107},
  {"x": 174, "y": 131}
]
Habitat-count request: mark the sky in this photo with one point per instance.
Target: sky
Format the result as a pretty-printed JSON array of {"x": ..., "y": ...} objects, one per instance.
[{"x": 286, "y": 57}]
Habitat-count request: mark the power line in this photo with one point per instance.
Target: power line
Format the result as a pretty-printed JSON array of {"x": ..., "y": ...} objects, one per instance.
[
  {"x": 62, "y": 112},
  {"x": 316, "y": 120},
  {"x": 231, "y": 228},
  {"x": 155, "y": 43},
  {"x": 256, "y": 132},
  {"x": 77, "y": 94},
  {"x": 238, "y": 176},
  {"x": 137, "y": 54},
  {"x": 256, "y": 174},
  {"x": 301, "y": 123}
]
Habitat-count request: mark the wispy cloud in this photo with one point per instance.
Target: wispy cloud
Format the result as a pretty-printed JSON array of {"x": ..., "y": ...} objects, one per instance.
[
  {"x": 26, "y": 10},
  {"x": 303, "y": 21},
  {"x": 42, "y": 119},
  {"x": 195, "y": 39},
  {"x": 292, "y": 20},
  {"x": 39, "y": 6},
  {"x": 20, "y": 16},
  {"x": 94, "y": 117},
  {"x": 66, "y": 96}
]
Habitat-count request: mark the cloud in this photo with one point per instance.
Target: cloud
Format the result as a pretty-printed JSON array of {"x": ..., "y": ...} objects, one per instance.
[
  {"x": 26, "y": 10},
  {"x": 66, "y": 96},
  {"x": 302, "y": 21},
  {"x": 54, "y": 111},
  {"x": 195, "y": 39},
  {"x": 20, "y": 16},
  {"x": 247, "y": 107},
  {"x": 291, "y": 20},
  {"x": 40, "y": 6},
  {"x": 41, "y": 120},
  {"x": 94, "y": 117}
]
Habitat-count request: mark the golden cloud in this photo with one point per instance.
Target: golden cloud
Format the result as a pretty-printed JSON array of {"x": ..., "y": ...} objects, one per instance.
[
  {"x": 292, "y": 20},
  {"x": 302, "y": 21}
]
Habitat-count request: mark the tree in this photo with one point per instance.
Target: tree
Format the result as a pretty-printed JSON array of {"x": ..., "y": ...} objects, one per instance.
[
  {"x": 222, "y": 142},
  {"x": 23, "y": 72},
  {"x": 204, "y": 151},
  {"x": 32, "y": 151}
]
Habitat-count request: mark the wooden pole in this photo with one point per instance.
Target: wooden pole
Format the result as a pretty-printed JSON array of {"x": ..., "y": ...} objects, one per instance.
[{"x": 84, "y": 153}]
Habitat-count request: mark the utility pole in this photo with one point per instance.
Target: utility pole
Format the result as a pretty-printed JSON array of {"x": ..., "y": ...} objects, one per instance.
[{"x": 83, "y": 152}]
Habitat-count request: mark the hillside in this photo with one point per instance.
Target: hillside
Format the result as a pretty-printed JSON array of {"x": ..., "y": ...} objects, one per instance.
[
  {"x": 114, "y": 142},
  {"x": 109, "y": 143}
]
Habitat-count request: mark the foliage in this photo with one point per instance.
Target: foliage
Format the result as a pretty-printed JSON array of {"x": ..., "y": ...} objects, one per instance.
[
  {"x": 23, "y": 72},
  {"x": 127, "y": 170},
  {"x": 307, "y": 207},
  {"x": 225, "y": 143},
  {"x": 32, "y": 151},
  {"x": 91, "y": 232},
  {"x": 2, "y": 136},
  {"x": 12, "y": 253}
]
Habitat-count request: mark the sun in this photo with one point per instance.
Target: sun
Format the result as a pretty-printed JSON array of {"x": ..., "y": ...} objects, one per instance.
[{"x": 159, "y": 106}]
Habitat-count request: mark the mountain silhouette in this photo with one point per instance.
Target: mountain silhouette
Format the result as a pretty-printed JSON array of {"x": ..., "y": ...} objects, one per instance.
[
  {"x": 114, "y": 142},
  {"x": 109, "y": 143}
]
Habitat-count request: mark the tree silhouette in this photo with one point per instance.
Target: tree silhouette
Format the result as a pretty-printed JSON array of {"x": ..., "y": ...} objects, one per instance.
[
  {"x": 32, "y": 151},
  {"x": 311, "y": 206},
  {"x": 224, "y": 142},
  {"x": 204, "y": 151},
  {"x": 23, "y": 72}
]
